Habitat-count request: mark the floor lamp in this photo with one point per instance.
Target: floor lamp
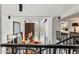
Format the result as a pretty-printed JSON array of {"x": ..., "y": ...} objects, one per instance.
[{"x": 74, "y": 25}]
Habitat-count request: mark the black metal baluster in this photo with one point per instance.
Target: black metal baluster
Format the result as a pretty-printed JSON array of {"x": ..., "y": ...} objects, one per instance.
[
  {"x": 26, "y": 50},
  {"x": 66, "y": 50},
  {"x": 49, "y": 50},
  {"x": 73, "y": 40},
  {"x": 19, "y": 50},
  {"x": 40, "y": 51},
  {"x": 69, "y": 51},
  {"x": 12, "y": 50},
  {"x": 54, "y": 50},
  {"x": 73, "y": 51},
  {"x": 76, "y": 51},
  {"x": 59, "y": 51}
]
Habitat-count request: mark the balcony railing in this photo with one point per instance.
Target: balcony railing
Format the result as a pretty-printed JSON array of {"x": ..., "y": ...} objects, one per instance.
[
  {"x": 41, "y": 49},
  {"x": 67, "y": 46}
]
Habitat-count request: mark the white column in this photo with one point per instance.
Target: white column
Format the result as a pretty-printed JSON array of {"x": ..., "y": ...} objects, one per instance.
[{"x": 55, "y": 27}]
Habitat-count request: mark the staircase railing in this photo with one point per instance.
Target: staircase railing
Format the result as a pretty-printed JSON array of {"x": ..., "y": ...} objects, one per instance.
[
  {"x": 61, "y": 36},
  {"x": 74, "y": 40},
  {"x": 71, "y": 40}
]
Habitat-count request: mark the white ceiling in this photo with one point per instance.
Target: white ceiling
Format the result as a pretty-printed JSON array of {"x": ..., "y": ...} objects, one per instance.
[{"x": 36, "y": 9}]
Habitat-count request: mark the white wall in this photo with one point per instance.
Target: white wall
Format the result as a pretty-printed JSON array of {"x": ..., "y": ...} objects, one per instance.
[
  {"x": 0, "y": 28},
  {"x": 7, "y": 28},
  {"x": 49, "y": 26},
  {"x": 55, "y": 27}
]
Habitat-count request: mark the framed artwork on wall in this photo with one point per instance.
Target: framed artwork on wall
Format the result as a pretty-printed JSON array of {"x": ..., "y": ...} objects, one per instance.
[
  {"x": 16, "y": 27},
  {"x": 64, "y": 26}
]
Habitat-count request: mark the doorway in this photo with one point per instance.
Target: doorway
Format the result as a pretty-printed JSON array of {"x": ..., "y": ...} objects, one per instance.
[{"x": 29, "y": 27}]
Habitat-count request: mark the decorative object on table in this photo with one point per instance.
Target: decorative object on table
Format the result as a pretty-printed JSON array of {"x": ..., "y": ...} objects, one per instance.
[
  {"x": 30, "y": 38},
  {"x": 27, "y": 41},
  {"x": 9, "y": 38},
  {"x": 64, "y": 26},
  {"x": 74, "y": 25},
  {"x": 23, "y": 40},
  {"x": 19, "y": 38},
  {"x": 66, "y": 29}
]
